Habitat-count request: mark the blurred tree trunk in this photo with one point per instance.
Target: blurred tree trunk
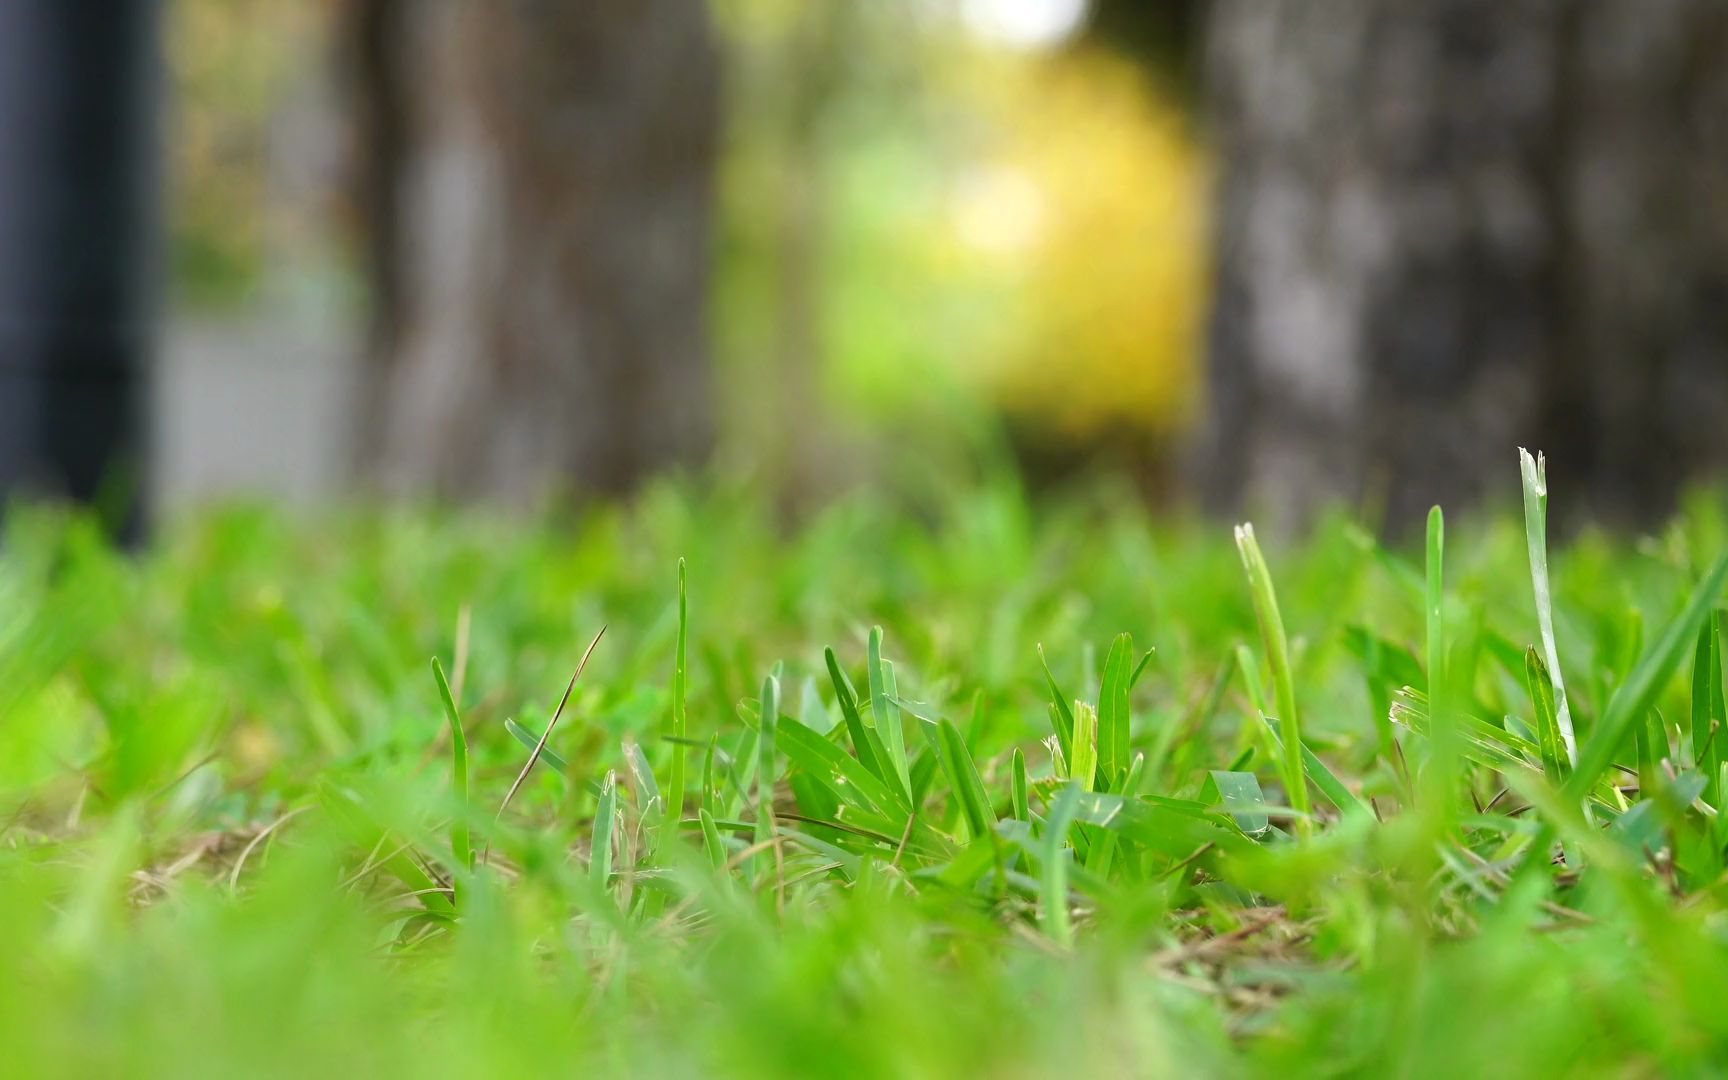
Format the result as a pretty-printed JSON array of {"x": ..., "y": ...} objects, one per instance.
[
  {"x": 1449, "y": 228},
  {"x": 537, "y": 192},
  {"x": 806, "y": 83}
]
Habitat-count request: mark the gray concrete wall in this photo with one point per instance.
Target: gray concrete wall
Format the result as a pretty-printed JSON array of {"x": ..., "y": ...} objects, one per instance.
[{"x": 252, "y": 407}]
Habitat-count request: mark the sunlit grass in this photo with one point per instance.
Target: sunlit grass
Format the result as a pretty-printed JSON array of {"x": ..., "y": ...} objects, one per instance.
[{"x": 986, "y": 787}]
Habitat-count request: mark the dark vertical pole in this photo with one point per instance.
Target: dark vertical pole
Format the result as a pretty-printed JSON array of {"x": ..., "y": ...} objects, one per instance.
[{"x": 79, "y": 111}]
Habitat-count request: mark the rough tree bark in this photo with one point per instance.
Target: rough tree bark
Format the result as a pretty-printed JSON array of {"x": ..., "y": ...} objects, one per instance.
[
  {"x": 537, "y": 191},
  {"x": 1449, "y": 228}
]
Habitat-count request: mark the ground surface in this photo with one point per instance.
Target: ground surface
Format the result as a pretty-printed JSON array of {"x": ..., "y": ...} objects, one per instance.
[{"x": 237, "y": 837}]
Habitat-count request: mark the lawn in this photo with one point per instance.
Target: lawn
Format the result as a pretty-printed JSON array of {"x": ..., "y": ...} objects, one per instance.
[{"x": 959, "y": 784}]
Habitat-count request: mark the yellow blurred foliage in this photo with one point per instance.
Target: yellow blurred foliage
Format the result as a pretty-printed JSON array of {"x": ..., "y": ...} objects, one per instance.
[{"x": 1085, "y": 200}]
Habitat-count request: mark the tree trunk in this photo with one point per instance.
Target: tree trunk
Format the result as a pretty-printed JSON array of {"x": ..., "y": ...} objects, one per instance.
[
  {"x": 1450, "y": 228},
  {"x": 538, "y": 195}
]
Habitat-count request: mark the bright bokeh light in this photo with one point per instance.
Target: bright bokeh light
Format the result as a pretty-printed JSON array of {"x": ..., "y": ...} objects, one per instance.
[
  {"x": 1081, "y": 217},
  {"x": 1025, "y": 24},
  {"x": 999, "y": 210}
]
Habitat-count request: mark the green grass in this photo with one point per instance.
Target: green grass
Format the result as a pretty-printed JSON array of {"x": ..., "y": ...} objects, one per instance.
[
  {"x": 1273, "y": 635},
  {"x": 975, "y": 787}
]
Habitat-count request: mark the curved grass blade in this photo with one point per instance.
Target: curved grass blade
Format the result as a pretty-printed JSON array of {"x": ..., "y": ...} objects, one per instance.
[
  {"x": 1140, "y": 668},
  {"x": 540, "y": 746},
  {"x": 1534, "y": 471},
  {"x": 1136, "y": 773},
  {"x": 530, "y": 740},
  {"x": 885, "y": 715},
  {"x": 843, "y": 775},
  {"x": 711, "y": 841},
  {"x": 1061, "y": 713},
  {"x": 461, "y": 840},
  {"x": 865, "y": 742},
  {"x": 1637, "y": 694},
  {"x": 968, "y": 785},
  {"x": 1488, "y": 745},
  {"x": 1323, "y": 778}
]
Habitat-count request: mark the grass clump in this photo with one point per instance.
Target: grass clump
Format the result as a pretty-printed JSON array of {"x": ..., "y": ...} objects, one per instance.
[{"x": 892, "y": 793}]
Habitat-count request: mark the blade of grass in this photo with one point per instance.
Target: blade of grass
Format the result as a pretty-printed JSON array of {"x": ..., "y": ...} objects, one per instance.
[
  {"x": 1496, "y": 745},
  {"x": 1322, "y": 777},
  {"x": 461, "y": 841},
  {"x": 765, "y": 771},
  {"x": 1278, "y": 656},
  {"x": 1061, "y": 713},
  {"x": 740, "y": 763},
  {"x": 1443, "y": 736},
  {"x": 886, "y": 716},
  {"x": 1534, "y": 471},
  {"x": 1548, "y": 738},
  {"x": 711, "y": 841},
  {"x": 922, "y": 768},
  {"x": 527, "y": 738},
  {"x": 1018, "y": 787},
  {"x": 968, "y": 785},
  {"x": 865, "y": 742},
  {"x": 680, "y": 718},
  {"x": 1637, "y": 694},
  {"x": 1140, "y": 668},
  {"x": 1083, "y": 765},
  {"x": 710, "y": 790},
  {"x": 1251, "y": 680},
  {"x": 1054, "y": 884},
  {"x": 1239, "y": 794},
  {"x": 1113, "y": 715},
  {"x": 1136, "y": 773},
  {"x": 1707, "y": 712},
  {"x": 1652, "y": 749},
  {"x": 540, "y": 746},
  {"x": 642, "y": 779},
  {"x": 605, "y": 821},
  {"x": 837, "y": 770}
]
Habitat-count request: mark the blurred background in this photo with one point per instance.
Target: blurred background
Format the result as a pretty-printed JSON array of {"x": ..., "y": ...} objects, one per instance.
[{"x": 1260, "y": 255}]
